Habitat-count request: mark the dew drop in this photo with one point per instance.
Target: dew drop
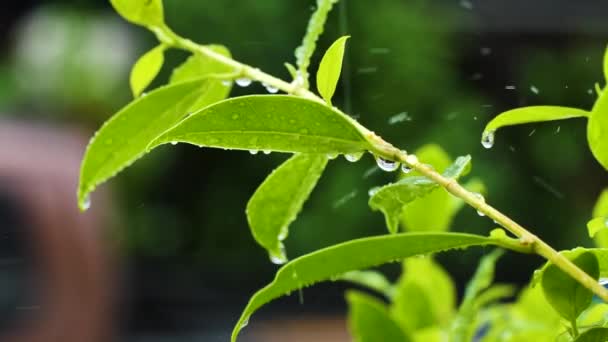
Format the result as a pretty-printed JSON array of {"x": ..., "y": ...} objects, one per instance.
[
  {"x": 481, "y": 198},
  {"x": 332, "y": 156},
  {"x": 86, "y": 204},
  {"x": 278, "y": 257},
  {"x": 353, "y": 157},
  {"x": 245, "y": 323},
  {"x": 487, "y": 139},
  {"x": 254, "y": 152},
  {"x": 387, "y": 165},
  {"x": 405, "y": 168},
  {"x": 480, "y": 213},
  {"x": 373, "y": 191},
  {"x": 226, "y": 83},
  {"x": 243, "y": 82},
  {"x": 174, "y": 143},
  {"x": 266, "y": 151},
  {"x": 270, "y": 89}
]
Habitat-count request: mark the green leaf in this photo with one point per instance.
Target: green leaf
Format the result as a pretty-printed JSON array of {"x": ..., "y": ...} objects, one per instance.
[
  {"x": 593, "y": 335},
  {"x": 330, "y": 68},
  {"x": 462, "y": 328},
  {"x": 124, "y": 137},
  {"x": 146, "y": 68},
  {"x": 390, "y": 199},
  {"x": 425, "y": 295},
  {"x": 279, "y": 199},
  {"x": 597, "y": 129},
  {"x": 369, "y": 320},
  {"x": 331, "y": 262},
  {"x": 596, "y": 225},
  {"x": 493, "y": 294},
  {"x": 566, "y": 295},
  {"x": 280, "y": 123},
  {"x": 141, "y": 12},
  {"x": 373, "y": 280},
  {"x": 218, "y": 74},
  {"x": 601, "y": 209},
  {"x": 526, "y": 115},
  {"x": 415, "y": 216},
  {"x": 606, "y": 65}
]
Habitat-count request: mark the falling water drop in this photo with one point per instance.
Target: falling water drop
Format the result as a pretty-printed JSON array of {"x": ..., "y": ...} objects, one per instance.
[
  {"x": 353, "y": 157},
  {"x": 243, "y": 82},
  {"x": 487, "y": 139},
  {"x": 387, "y": 165}
]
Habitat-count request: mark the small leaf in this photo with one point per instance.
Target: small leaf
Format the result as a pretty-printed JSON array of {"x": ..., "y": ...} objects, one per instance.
[
  {"x": 597, "y": 129},
  {"x": 462, "y": 328},
  {"x": 331, "y": 262},
  {"x": 199, "y": 66},
  {"x": 526, "y": 115},
  {"x": 330, "y": 69},
  {"x": 596, "y": 225},
  {"x": 373, "y": 280},
  {"x": 601, "y": 209},
  {"x": 606, "y": 65},
  {"x": 141, "y": 12},
  {"x": 566, "y": 295},
  {"x": 277, "y": 202},
  {"x": 593, "y": 335},
  {"x": 390, "y": 199},
  {"x": 369, "y": 320},
  {"x": 280, "y": 123},
  {"x": 425, "y": 295},
  {"x": 145, "y": 69},
  {"x": 124, "y": 137}
]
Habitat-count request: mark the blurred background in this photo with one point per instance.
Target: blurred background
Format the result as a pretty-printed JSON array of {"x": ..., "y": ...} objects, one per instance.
[{"x": 166, "y": 253}]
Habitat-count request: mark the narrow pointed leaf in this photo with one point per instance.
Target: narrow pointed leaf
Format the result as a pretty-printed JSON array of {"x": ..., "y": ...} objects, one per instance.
[
  {"x": 606, "y": 65},
  {"x": 370, "y": 321},
  {"x": 597, "y": 130},
  {"x": 145, "y": 69},
  {"x": 124, "y": 137},
  {"x": 601, "y": 210},
  {"x": 330, "y": 68},
  {"x": 372, "y": 280},
  {"x": 280, "y": 123},
  {"x": 331, "y": 262},
  {"x": 140, "y": 12},
  {"x": 566, "y": 295},
  {"x": 391, "y": 199},
  {"x": 279, "y": 199},
  {"x": 531, "y": 114},
  {"x": 462, "y": 328},
  {"x": 596, "y": 225},
  {"x": 198, "y": 66},
  {"x": 593, "y": 335}
]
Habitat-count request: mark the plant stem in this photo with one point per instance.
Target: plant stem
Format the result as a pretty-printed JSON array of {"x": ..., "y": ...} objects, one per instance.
[{"x": 381, "y": 148}]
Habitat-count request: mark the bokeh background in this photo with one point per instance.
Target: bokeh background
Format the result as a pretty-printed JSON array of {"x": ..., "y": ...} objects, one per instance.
[{"x": 183, "y": 262}]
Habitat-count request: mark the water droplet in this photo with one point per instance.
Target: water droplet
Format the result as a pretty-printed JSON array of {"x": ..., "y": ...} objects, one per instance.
[
  {"x": 373, "y": 191},
  {"x": 481, "y": 198},
  {"x": 226, "y": 83},
  {"x": 174, "y": 143},
  {"x": 606, "y": 222},
  {"x": 487, "y": 139},
  {"x": 534, "y": 90},
  {"x": 270, "y": 89},
  {"x": 245, "y": 323},
  {"x": 480, "y": 213},
  {"x": 143, "y": 94},
  {"x": 266, "y": 151},
  {"x": 510, "y": 87},
  {"x": 387, "y": 165},
  {"x": 603, "y": 282},
  {"x": 243, "y": 82},
  {"x": 86, "y": 204},
  {"x": 278, "y": 257},
  {"x": 332, "y": 156},
  {"x": 254, "y": 152},
  {"x": 353, "y": 157},
  {"x": 405, "y": 168}
]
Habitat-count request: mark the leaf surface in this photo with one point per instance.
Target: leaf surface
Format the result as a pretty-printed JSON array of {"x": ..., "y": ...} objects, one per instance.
[
  {"x": 140, "y": 12},
  {"x": 145, "y": 69},
  {"x": 370, "y": 321},
  {"x": 330, "y": 68},
  {"x": 597, "y": 129}
]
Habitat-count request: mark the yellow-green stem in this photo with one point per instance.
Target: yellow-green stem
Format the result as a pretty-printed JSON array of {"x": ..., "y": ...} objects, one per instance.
[{"x": 527, "y": 240}]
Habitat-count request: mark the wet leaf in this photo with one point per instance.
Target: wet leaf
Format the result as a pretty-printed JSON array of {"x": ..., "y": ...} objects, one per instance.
[
  {"x": 279, "y": 123},
  {"x": 597, "y": 130},
  {"x": 145, "y": 69},
  {"x": 593, "y": 335},
  {"x": 329, "y": 263},
  {"x": 601, "y": 210},
  {"x": 279, "y": 199},
  {"x": 330, "y": 68},
  {"x": 140, "y": 12}
]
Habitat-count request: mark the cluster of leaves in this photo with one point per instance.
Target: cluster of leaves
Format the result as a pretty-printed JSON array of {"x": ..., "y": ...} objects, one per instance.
[{"x": 421, "y": 306}]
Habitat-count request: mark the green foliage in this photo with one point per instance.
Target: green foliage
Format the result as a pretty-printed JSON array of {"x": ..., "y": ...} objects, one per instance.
[
  {"x": 277, "y": 202},
  {"x": 532, "y": 114},
  {"x": 269, "y": 122},
  {"x": 597, "y": 129},
  {"x": 370, "y": 321},
  {"x": 391, "y": 199},
  {"x": 606, "y": 65},
  {"x": 146, "y": 68},
  {"x": 568, "y": 297},
  {"x": 124, "y": 138},
  {"x": 593, "y": 335},
  {"x": 462, "y": 327},
  {"x": 425, "y": 295},
  {"x": 372, "y": 280},
  {"x": 330, "y": 68},
  {"x": 357, "y": 254},
  {"x": 600, "y": 210},
  {"x": 141, "y": 12}
]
